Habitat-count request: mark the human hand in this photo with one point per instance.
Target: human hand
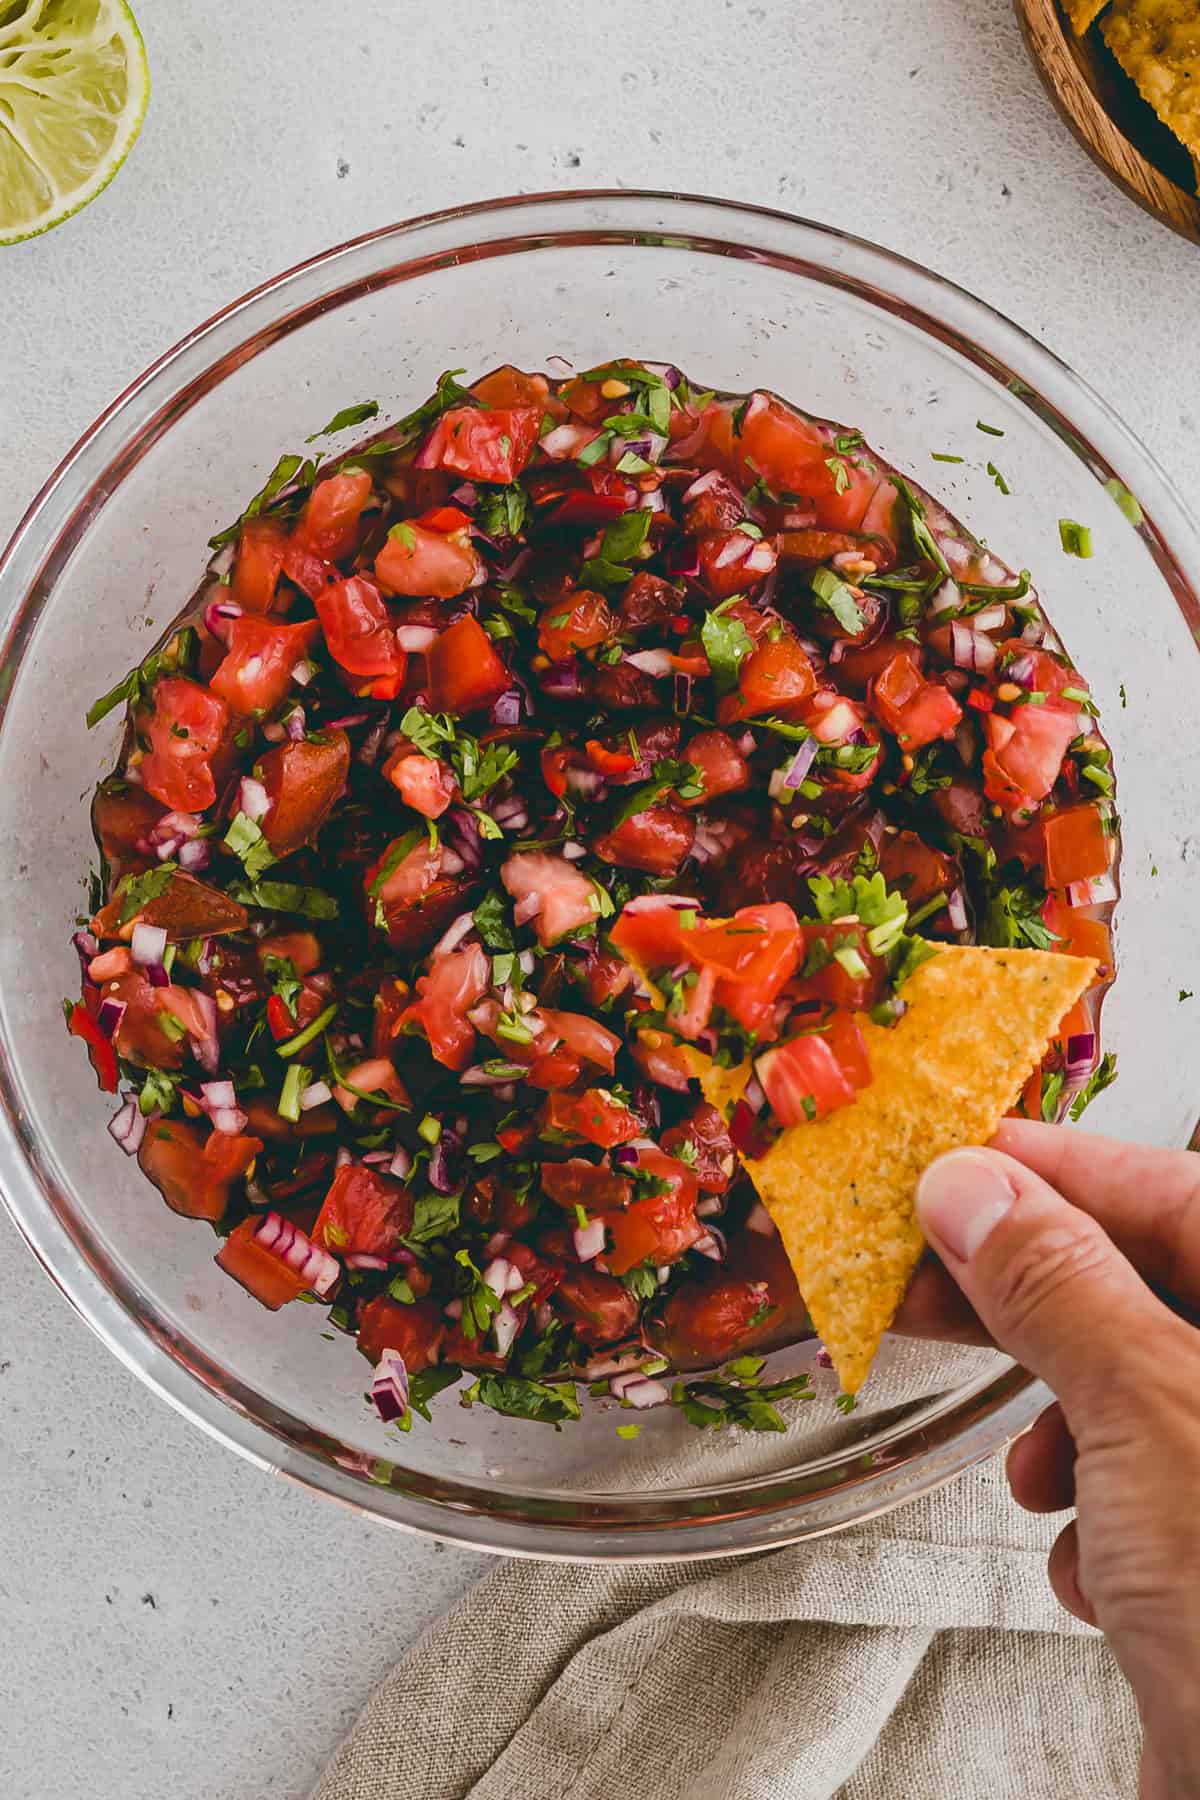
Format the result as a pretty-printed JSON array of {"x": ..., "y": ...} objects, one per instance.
[{"x": 1052, "y": 1239}]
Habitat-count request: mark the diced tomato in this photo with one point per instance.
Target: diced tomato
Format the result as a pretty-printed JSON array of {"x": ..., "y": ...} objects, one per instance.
[
  {"x": 656, "y": 1230},
  {"x": 586, "y": 1037},
  {"x": 192, "y": 1172},
  {"x": 1027, "y": 750},
  {"x": 861, "y": 664},
  {"x": 415, "y": 902},
  {"x": 776, "y": 678},
  {"x": 122, "y": 819},
  {"x": 303, "y": 780},
  {"x": 280, "y": 1021},
  {"x": 915, "y": 868},
  {"x": 363, "y": 1214},
  {"x": 185, "y": 731},
  {"x": 833, "y": 981},
  {"x": 575, "y": 624},
  {"x": 663, "y": 1061},
  {"x": 465, "y": 672},
  {"x": 256, "y": 672},
  {"x": 648, "y": 603},
  {"x": 601, "y": 1309},
  {"x": 425, "y": 783},
  {"x": 846, "y": 1041},
  {"x": 1080, "y": 935},
  {"x": 507, "y": 386},
  {"x": 655, "y": 840},
  {"x": 565, "y": 898},
  {"x": 1046, "y": 674},
  {"x": 711, "y": 1319},
  {"x": 723, "y": 768},
  {"x": 258, "y": 564},
  {"x": 330, "y": 526},
  {"x": 259, "y": 1271},
  {"x": 803, "y": 1079},
  {"x": 719, "y": 507},
  {"x": 610, "y": 762},
  {"x": 142, "y": 1036},
  {"x": 186, "y": 908},
  {"x": 759, "y": 945},
  {"x": 733, "y": 561},
  {"x": 706, "y": 1138},
  {"x": 594, "y": 1186},
  {"x": 680, "y": 1179},
  {"x": 593, "y": 1115},
  {"x": 301, "y": 948},
  {"x": 310, "y": 572},
  {"x": 809, "y": 545},
  {"x": 784, "y": 448},
  {"x": 455, "y": 982},
  {"x": 415, "y": 1331},
  {"x": 99, "y": 1048},
  {"x": 358, "y": 628},
  {"x": 426, "y": 559},
  {"x": 1076, "y": 846},
  {"x": 916, "y": 710},
  {"x": 485, "y": 443},
  {"x": 554, "y": 1069},
  {"x": 650, "y": 936}
]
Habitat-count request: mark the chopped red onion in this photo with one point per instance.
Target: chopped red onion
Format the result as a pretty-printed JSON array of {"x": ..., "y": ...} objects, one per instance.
[
  {"x": 148, "y": 945},
  {"x": 761, "y": 559},
  {"x": 461, "y": 838},
  {"x": 801, "y": 763},
  {"x": 710, "y": 1206},
  {"x": 824, "y": 1360},
  {"x": 567, "y": 440},
  {"x": 683, "y": 558},
  {"x": 647, "y": 902},
  {"x": 466, "y": 493},
  {"x": 991, "y": 618},
  {"x": 317, "y": 1093},
  {"x": 640, "y": 1391},
  {"x": 1020, "y": 671},
  {"x": 368, "y": 750},
  {"x": 572, "y": 852},
  {"x": 303, "y": 672},
  {"x": 253, "y": 799},
  {"x": 416, "y": 639},
  {"x": 759, "y": 1219},
  {"x": 1096, "y": 892},
  {"x": 87, "y": 946},
  {"x": 207, "y": 1050},
  {"x": 1034, "y": 631},
  {"x": 389, "y": 1387},
  {"x": 194, "y": 855},
  {"x": 712, "y": 1245},
  {"x": 948, "y": 598},
  {"x": 1081, "y": 1051},
  {"x": 478, "y": 1076},
  {"x": 496, "y": 1274},
  {"x": 347, "y": 721},
  {"x": 342, "y": 1157},
  {"x": 589, "y": 1239},
  {"x": 275, "y": 733},
  {"x": 965, "y": 742},
  {"x": 401, "y": 1163},
  {"x": 362, "y": 1259},
  {"x": 285, "y": 1240},
  {"x": 651, "y": 662},
  {"x": 701, "y": 485},
  {"x": 528, "y": 908},
  {"x": 971, "y": 649},
  {"x": 453, "y": 1309},
  {"x": 505, "y": 1327},
  {"x": 462, "y": 927},
  {"x": 956, "y": 910},
  {"x": 508, "y": 708},
  {"x": 128, "y": 1126},
  {"x": 109, "y": 1016},
  {"x": 219, "y": 616}
]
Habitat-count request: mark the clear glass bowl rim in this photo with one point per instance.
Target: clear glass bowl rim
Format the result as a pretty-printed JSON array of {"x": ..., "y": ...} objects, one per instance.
[{"x": 732, "y": 1516}]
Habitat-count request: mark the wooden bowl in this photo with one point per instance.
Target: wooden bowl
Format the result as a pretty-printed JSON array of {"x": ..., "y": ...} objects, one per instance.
[{"x": 1109, "y": 117}]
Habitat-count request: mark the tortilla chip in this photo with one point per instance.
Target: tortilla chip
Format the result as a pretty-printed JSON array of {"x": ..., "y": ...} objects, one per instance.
[
  {"x": 841, "y": 1190},
  {"x": 1083, "y": 14},
  {"x": 1157, "y": 43}
]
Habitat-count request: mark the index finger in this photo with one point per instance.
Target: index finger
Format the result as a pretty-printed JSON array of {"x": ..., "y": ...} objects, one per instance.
[{"x": 1147, "y": 1201}]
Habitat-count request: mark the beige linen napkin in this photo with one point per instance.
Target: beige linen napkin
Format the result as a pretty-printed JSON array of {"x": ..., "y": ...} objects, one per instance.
[{"x": 917, "y": 1657}]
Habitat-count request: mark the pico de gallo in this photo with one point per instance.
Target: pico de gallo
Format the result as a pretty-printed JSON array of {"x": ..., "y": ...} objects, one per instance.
[{"x": 569, "y": 730}]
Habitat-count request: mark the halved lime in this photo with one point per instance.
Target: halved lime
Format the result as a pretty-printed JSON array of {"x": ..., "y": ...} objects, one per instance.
[{"x": 74, "y": 83}]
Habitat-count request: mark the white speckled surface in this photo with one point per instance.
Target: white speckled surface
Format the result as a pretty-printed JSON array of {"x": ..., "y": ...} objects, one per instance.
[{"x": 175, "y": 1622}]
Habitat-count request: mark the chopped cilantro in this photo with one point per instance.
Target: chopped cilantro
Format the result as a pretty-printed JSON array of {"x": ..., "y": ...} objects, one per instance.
[
  {"x": 517, "y": 1398},
  {"x": 840, "y": 473},
  {"x": 992, "y": 430},
  {"x": 135, "y": 688},
  {"x": 288, "y": 468},
  {"x": 726, "y": 644},
  {"x": 833, "y": 596},
  {"x": 867, "y": 897},
  {"x": 1013, "y": 920},
  {"x": 501, "y": 511},
  {"x": 248, "y": 844},
  {"x": 628, "y": 1431},
  {"x": 286, "y": 897},
  {"x": 1117, "y": 491},
  {"x": 923, "y": 539},
  {"x": 425, "y": 1384},
  {"x": 682, "y": 778},
  {"x": 944, "y": 457},
  {"x": 1052, "y": 1087},
  {"x": 998, "y": 478},
  {"x": 1102, "y": 1077},
  {"x": 622, "y": 540},
  {"x": 136, "y": 891},
  {"x": 434, "y": 1216}
]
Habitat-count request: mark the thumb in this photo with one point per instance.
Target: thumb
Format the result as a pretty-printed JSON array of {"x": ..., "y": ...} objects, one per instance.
[{"x": 1051, "y": 1288}]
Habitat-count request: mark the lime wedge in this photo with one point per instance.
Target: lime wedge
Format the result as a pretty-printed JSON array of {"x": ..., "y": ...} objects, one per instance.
[{"x": 74, "y": 83}]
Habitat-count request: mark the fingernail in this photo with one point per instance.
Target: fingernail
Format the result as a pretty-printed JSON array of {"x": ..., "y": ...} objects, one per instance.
[{"x": 960, "y": 1198}]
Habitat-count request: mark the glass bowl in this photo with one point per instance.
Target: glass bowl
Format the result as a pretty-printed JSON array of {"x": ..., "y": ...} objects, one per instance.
[{"x": 115, "y": 542}]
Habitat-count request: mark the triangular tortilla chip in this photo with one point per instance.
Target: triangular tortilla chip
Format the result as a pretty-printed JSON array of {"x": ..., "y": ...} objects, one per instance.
[
  {"x": 841, "y": 1190},
  {"x": 1157, "y": 42},
  {"x": 1083, "y": 14}
]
